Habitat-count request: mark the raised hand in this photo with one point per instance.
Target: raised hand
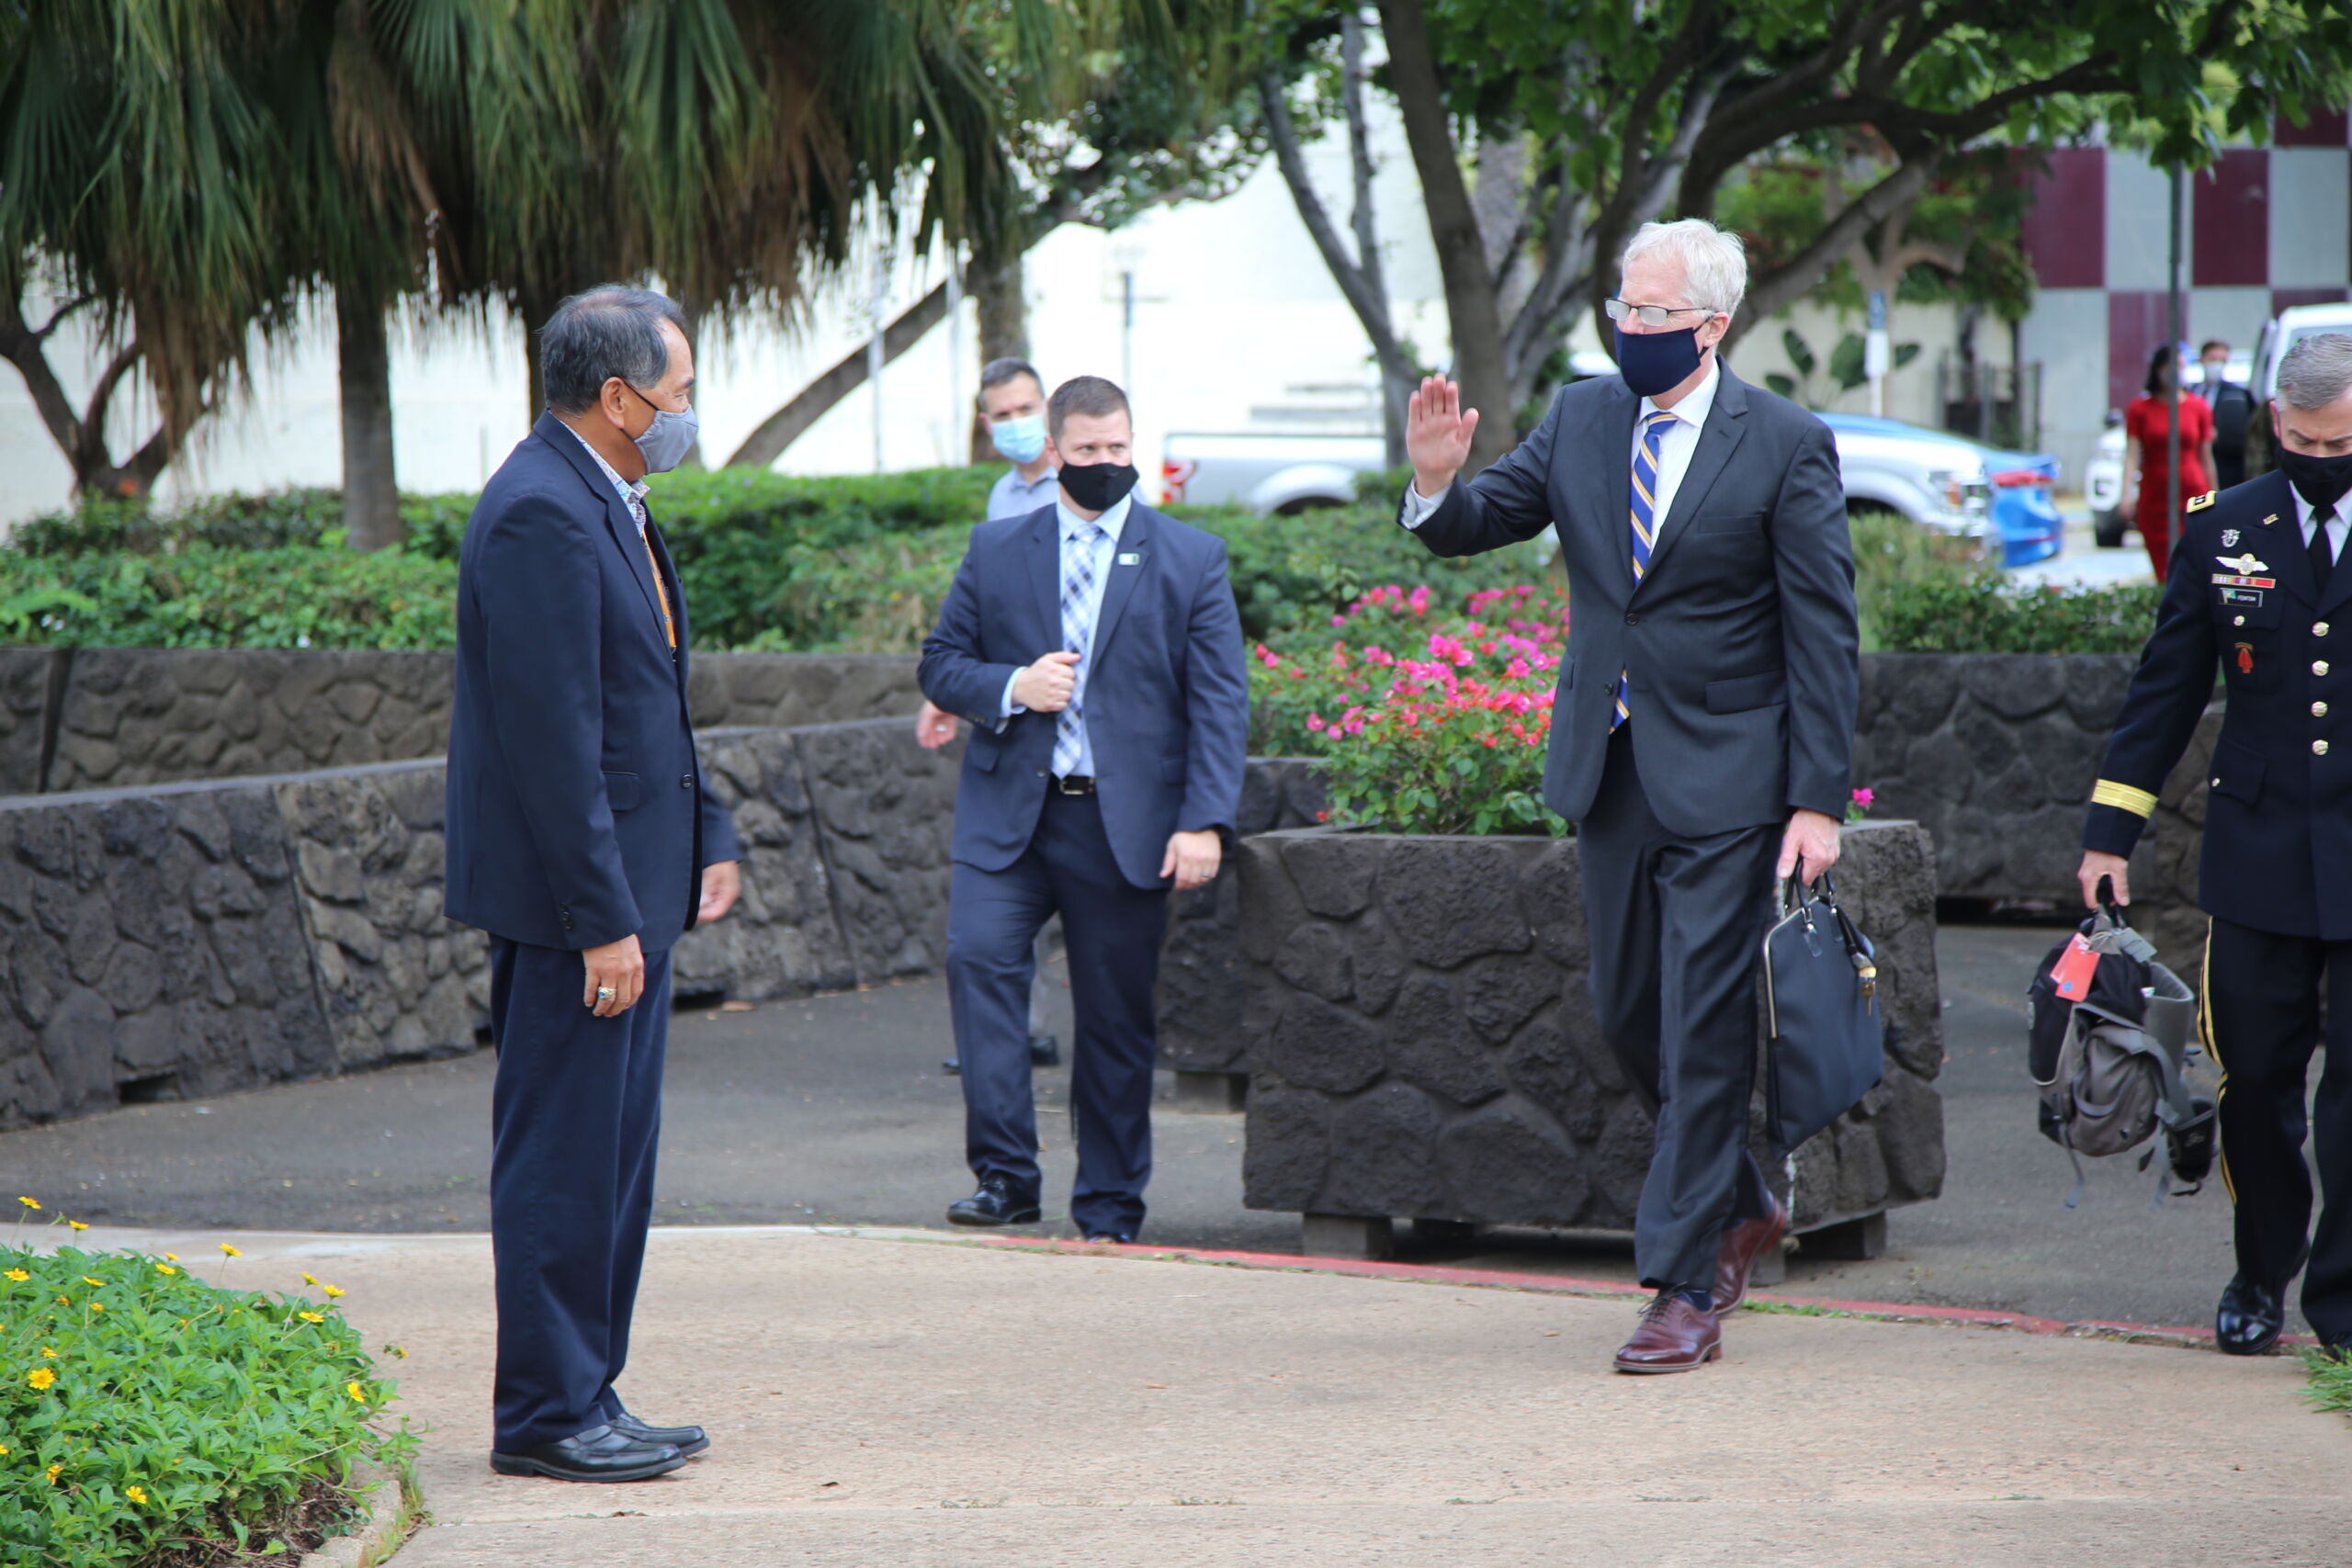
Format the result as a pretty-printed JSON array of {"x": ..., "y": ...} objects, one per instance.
[{"x": 1437, "y": 434}]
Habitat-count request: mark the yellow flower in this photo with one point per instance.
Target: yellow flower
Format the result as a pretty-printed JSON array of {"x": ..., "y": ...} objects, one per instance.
[
  {"x": 400, "y": 1351},
  {"x": 29, "y": 1203},
  {"x": 6, "y": 1450},
  {"x": 48, "y": 1352},
  {"x": 356, "y": 1392},
  {"x": 18, "y": 1275},
  {"x": 232, "y": 1251},
  {"x": 63, "y": 1301},
  {"x": 136, "y": 1493},
  {"x": 41, "y": 1377},
  {"x": 54, "y": 1472},
  {"x": 311, "y": 1316},
  {"x": 77, "y": 1225},
  {"x": 91, "y": 1279},
  {"x": 166, "y": 1268},
  {"x": 171, "y": 1257},
  {"x": 309, "y": 1279},
  {"x": 97, "y": 1306},
  {"x": 333, "y": 1291}
]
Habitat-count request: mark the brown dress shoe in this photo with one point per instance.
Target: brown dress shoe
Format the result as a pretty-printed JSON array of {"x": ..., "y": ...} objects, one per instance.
[
  {"x": 1675, "y": 1337},
  {"x": 1744, "y": 1242}
]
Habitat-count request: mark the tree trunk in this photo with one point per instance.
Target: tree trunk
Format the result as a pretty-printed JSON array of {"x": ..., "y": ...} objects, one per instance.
[
  {"x": 371, "y": 502},
  {"x": 82, "y": 436},
  {"x": 784, "y": 426},
  {"x": 997, "y": 282},
  {"x": 692, "y": 310},
  {"x": 1475, "y": 320}
]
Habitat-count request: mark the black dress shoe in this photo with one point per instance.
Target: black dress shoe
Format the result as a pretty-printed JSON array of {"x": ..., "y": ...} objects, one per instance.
[
  {"x": 1044, "y": 1051},
  {"x": 1119, "y": 1238},
  {"x": 994, "y": 1204},
  {"x": 687, "y": 1440},
  {"x": 600, "y": 1453},
  {"x": 2337, "y": 1348},
  {"x": 2249, "y": 1318}
]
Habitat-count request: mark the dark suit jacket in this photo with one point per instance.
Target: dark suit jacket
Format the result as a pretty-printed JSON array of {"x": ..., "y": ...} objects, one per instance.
[
  {"x": 2278, "y": 853},
  {"x": 1167, "y": 695},
  {"x": 576, "y": 811},
  {"x": 1740, "y": 644}
]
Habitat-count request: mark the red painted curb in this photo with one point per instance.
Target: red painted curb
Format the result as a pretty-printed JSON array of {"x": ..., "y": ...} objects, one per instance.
[{"x": 1495, "y": 1278}]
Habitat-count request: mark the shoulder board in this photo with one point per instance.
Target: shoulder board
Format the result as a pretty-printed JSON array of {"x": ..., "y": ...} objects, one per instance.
[{"x": 2198, "y": 504}]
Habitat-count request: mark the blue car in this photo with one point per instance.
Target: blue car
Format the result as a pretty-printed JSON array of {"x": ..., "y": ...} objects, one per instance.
[{"x": 2000, "y": 499}]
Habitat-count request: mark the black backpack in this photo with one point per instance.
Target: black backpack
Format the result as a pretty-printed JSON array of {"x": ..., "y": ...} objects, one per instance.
[{"x": 2111, "y": 1051}]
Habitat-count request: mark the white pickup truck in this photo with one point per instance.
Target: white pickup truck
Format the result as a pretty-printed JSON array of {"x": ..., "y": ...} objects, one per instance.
[{"x": 1266, "y": 473}]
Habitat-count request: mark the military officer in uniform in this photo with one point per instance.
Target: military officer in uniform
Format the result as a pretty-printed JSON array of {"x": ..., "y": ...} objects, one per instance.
[{"x": 2259, "y": 586}]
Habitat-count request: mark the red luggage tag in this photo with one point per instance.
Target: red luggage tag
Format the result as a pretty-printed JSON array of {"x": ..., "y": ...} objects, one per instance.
[{"x": 2073, "y": 972}]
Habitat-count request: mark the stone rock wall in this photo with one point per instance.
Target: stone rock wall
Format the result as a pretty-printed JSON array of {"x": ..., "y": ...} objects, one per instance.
[
  {"x": 783, "y": 938},
  {"x": 885, "y": 812},
  {"x": 154, "y": 947},
  {"x": 1199, "y": 999},
  {"x": 116, "y": 717},
  {"x": 1423, "y": 1043}
]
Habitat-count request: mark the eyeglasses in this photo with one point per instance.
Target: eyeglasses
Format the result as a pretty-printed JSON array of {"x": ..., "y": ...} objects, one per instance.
[{"x": 1651, "y": 315}]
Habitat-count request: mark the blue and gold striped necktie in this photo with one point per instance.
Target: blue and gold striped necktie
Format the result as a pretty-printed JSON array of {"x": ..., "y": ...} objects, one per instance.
[{"x": 1644, "y": 516}]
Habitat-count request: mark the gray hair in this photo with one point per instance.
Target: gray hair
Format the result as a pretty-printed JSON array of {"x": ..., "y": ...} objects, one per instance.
[
  {"x": 1000, "y": 372},
  {"x": 602, "y": 333},
  {"x": 2316, "y": 371},
  {"x": 1715, "y": 264}
]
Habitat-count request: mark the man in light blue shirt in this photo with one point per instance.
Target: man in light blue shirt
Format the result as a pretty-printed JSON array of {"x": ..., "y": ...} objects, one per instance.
[{"x": 1012, "y": 400}]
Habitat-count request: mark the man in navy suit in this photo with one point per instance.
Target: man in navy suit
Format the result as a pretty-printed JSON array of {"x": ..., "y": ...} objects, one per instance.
[
  {"x": 580, "y": 840},
  {"x": 1095, "y": 647}
]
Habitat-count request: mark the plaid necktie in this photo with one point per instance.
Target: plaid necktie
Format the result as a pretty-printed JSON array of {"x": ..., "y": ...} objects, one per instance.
[
  {"x": 1078, "y": 631},
  {"x": 1645, "y": 511}
]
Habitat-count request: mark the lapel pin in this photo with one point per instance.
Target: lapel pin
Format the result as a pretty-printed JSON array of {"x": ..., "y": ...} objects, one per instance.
[{"x": 1130, "y": 558}]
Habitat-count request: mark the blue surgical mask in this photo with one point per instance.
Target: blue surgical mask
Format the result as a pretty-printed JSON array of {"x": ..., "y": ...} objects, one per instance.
[
  {"x": 1022, "y": 439},
  {"x": 669, "y": 438}
]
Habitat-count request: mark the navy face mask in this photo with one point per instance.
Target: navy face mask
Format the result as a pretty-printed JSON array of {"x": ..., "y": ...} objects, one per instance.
[{"x": 1657, "y": 361}]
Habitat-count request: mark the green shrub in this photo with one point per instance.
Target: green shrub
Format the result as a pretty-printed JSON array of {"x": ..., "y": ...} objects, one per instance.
[
  {"x": 208, "y": 596},
  {"x": 271, "y": 520},
  {"x": 145, "y": 1412},
  {"x": 1985, "y": 615}
]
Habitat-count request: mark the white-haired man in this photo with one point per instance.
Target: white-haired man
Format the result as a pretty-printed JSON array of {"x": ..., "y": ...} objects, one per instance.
[
  {"x": 1702, "y": 731},
  {"x": 2258, "y": 588}
]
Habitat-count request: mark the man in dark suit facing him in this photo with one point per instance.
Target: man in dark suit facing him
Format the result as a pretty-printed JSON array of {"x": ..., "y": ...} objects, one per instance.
[
  {"x": 580, "y": 840},
  {"x": 1094, "y": 646},
  {"x": 1703, "y": 730}
]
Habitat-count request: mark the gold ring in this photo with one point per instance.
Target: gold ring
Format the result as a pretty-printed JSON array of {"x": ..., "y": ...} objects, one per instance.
[{"x": 604, "y": 993}]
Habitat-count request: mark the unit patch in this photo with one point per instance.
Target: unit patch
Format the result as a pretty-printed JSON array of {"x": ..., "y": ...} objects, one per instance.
[
  {"x": 2228, "y": 538},
  {"x": 2245, "y": 659}
]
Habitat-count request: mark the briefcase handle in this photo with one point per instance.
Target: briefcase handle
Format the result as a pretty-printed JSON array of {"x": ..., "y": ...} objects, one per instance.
[{"x": 1824, "y": 894}]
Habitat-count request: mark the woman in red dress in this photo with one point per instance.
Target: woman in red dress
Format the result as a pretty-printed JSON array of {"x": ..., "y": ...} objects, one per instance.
[{"x": 2147, "y": 439}]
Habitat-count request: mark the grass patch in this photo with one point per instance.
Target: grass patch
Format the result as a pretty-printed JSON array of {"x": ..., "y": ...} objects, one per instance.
[
  {"x": 152, "y": 1419},
  {"x": 2331, "y": 1382}
]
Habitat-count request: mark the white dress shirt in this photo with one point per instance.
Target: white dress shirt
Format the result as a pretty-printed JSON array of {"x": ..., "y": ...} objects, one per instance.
[
  {"x": 1107, "y": 554},
  {"x": 632, "y": 495},
  {"x": 1675, "y": 446},
  {"x": 2336, "y": 526}
]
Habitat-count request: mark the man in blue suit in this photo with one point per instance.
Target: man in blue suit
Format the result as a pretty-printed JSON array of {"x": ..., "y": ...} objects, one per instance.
[
  {"x": 1095, "y": 647},
  {"x": 580, "y": 840}
]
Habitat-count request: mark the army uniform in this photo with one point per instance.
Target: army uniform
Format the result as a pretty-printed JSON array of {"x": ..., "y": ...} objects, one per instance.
[{"x": 2248, "y": 594}]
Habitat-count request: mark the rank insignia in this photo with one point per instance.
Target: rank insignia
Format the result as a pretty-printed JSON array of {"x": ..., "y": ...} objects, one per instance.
[
  {"x": 2272, "y": 518},
  {"x": 2203, "y": 501},
  {"x": 2228, "y": 538},
  {"x": 2246, "y": 565}
]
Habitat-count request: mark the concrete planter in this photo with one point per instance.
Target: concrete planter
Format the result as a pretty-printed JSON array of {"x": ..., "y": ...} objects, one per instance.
[{"x": 1422, "y": 1042}]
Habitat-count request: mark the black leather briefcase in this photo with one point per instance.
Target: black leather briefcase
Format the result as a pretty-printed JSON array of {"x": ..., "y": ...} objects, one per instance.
[{"x": 1825, "y": 1031}]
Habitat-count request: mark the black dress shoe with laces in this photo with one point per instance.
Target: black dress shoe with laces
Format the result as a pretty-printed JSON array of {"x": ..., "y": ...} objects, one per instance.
[
  {"x": 687, "y": 1440},
  {"x": 600, "y": 1453},
  {"x": 2249, "y": 1318},
  {"x": 995, "y": 1203}
]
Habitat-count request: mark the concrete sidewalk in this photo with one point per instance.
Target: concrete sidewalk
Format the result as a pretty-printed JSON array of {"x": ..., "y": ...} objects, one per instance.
[{"x": 906, "y": 1402}]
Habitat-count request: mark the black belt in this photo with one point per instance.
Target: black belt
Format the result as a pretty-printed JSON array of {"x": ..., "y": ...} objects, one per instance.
[{"x": 1070, "y": 783}]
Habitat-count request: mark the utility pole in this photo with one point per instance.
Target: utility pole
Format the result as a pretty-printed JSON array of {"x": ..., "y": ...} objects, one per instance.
[
  {"x": 874, "y": 348},
  {"x": 2177, "y": 330}
]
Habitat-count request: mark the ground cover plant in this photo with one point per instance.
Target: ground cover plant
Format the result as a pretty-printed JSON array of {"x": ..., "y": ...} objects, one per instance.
[
  {"x": 1427, "y": 718},
  {"x": 153, "y": 1419}
]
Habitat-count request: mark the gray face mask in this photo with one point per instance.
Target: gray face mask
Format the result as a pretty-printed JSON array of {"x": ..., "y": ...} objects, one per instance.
[{"x": 669, "y": 438}]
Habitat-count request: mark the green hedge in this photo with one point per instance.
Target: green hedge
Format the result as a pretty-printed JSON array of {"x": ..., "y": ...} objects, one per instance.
[{"x": 847, "y": 563}]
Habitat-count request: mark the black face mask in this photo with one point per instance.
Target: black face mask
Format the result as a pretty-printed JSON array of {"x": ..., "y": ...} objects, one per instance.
[
  {"x": 1098, "y": 486},
  {"x": 1657, "y": 361},
  {"x": 2319, "y": 480}
]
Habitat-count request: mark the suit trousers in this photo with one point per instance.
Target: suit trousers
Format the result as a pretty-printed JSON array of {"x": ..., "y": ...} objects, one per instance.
[
  {"x": 575, "y": 1116},
  {"x": 1677, "y": 925},
  {"x": 1112, "y": 930},
  {"x": 2269, "y": 1001}
]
